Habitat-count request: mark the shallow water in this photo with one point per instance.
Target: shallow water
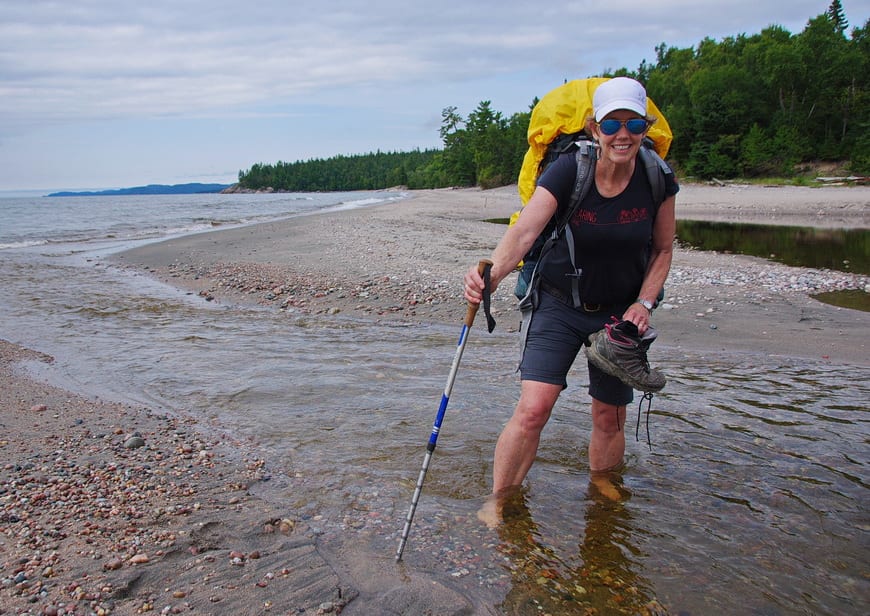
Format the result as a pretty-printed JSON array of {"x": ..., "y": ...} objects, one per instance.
[
  {"x": 846, "y": 250},
  {"x": 753, "y": 498}
]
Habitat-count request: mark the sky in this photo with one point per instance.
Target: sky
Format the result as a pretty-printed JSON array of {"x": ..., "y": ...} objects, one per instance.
[{"x": 117, "y": 93}]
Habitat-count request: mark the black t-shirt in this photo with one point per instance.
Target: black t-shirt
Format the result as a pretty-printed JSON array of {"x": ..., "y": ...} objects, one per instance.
[{"x": 612, "y": 235}]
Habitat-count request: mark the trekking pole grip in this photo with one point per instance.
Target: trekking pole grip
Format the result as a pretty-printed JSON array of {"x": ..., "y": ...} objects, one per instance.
[{"x": 471, "y": 312}]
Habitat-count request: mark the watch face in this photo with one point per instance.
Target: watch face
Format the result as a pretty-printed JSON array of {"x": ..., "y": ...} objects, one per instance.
[{"x": 645, "y": 304}]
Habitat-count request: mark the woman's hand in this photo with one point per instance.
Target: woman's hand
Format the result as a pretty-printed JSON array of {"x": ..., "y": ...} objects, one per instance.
[
  {"x": 473, "y": 289},
  {"x": 639, "y": 315}
]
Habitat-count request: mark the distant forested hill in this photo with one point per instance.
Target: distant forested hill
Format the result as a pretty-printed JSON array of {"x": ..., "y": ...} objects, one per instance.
[{"x": 150, "y": 189}]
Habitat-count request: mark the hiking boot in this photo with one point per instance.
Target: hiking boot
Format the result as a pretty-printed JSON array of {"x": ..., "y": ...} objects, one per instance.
[{"x": 620, "y": 351}]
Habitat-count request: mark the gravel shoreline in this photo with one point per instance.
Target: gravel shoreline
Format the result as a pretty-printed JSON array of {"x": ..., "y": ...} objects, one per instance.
[
  {"x": 107, "y": 508},
  {"x": 112, "y": 509},
  {"x": 405, "y": 261}
]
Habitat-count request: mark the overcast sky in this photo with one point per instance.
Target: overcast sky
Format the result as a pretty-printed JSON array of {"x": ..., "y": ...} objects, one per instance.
[{"x": 114, "y": 93}]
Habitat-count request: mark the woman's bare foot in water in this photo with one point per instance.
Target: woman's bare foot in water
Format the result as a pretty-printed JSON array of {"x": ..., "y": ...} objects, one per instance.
[
  {"x": 490, "y": 512},
  {"x": 603, "y": 481}
]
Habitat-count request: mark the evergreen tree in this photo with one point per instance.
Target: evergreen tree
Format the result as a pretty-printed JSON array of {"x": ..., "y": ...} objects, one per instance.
[
  {"x": 458, "y": 158},
  {"x": 838, "y": 16}
]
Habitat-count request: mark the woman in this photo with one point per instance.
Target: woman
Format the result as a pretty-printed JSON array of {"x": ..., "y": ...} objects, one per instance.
[{"x": 623, "y": 243}]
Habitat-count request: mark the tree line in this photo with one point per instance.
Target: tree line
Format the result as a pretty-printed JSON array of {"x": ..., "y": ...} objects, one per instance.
[
  {"x": 746, "y": 106},
  {"x": 352, "y": 172}
]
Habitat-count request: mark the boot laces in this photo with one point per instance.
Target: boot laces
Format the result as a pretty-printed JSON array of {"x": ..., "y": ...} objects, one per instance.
[{"x": 648, "y": 398}]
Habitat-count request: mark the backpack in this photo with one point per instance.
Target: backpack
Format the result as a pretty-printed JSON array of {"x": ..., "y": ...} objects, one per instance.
[{"x": 557, "y": 126}]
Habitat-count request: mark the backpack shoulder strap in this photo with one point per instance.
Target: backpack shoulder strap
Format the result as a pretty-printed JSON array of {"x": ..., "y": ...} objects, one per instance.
[
  {"x": 586, "y": 156},
  {"x": 656, "y": 169}
]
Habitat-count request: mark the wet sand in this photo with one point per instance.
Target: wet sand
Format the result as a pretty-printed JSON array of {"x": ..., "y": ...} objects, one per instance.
[{"x": 110, "y": 508}]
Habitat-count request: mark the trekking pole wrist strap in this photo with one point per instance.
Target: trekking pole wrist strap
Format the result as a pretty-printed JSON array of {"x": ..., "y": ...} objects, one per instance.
[{"x": 486, "y": 267}]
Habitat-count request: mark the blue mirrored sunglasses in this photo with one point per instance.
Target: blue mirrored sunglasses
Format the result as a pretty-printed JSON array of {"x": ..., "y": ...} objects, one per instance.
[{"x": 635, "y": 126}]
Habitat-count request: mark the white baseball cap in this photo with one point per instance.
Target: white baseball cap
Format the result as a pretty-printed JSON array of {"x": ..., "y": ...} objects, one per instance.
[{"x": 619, "y": 93}]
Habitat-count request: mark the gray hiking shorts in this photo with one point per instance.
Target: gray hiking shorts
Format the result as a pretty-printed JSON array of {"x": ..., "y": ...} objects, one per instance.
[{"x": 556, "y": 334}]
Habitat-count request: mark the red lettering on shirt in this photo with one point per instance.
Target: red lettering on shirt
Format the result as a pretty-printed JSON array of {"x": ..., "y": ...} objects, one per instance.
[
  {"x": 585, "y": 216},
  {"x": 634, "y": 215}
]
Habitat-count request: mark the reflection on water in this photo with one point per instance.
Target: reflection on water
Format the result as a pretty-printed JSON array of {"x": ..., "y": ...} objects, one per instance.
[
  {"x": 856, "y": 299},
  {"x": 599, "y": 577},
  {"x": 752, "y": 500},
  {"x": 846, "y": 250}
]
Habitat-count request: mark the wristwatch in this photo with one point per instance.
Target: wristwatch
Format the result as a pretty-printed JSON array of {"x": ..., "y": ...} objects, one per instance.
[{"x": 646, "y": 304}]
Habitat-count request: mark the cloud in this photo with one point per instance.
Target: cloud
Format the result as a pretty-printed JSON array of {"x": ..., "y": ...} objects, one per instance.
[
  {"x": 94, "y": 61},
  {"x": 102, "y": 58},
  {"x": 317, "y": 68}
]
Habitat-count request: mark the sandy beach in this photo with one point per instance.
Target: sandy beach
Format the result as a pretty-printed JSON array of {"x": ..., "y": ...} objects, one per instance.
[
  {"x": 109, "y": 508},
  {"x": 406, "y": 261}
]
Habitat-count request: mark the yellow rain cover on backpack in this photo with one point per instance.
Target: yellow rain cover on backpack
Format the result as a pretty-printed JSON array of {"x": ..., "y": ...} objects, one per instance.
[{"x": 564, "y": 110}]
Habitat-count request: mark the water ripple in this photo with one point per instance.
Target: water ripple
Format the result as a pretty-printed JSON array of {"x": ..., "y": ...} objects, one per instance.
[{"x": 752, "y": 498}]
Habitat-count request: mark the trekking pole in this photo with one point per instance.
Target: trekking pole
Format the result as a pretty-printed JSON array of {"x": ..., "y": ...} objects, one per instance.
[{"x": 436, "y": 428}]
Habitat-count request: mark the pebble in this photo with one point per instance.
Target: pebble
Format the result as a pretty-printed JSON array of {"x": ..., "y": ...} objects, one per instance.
[
  {"x": 134, "y": 442},
  {"x": 73, "y": 497},
  {"x": 421, "y": 294},
  {"x": 758, "y": 279},
  {"x": 311, "y": 293}
]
